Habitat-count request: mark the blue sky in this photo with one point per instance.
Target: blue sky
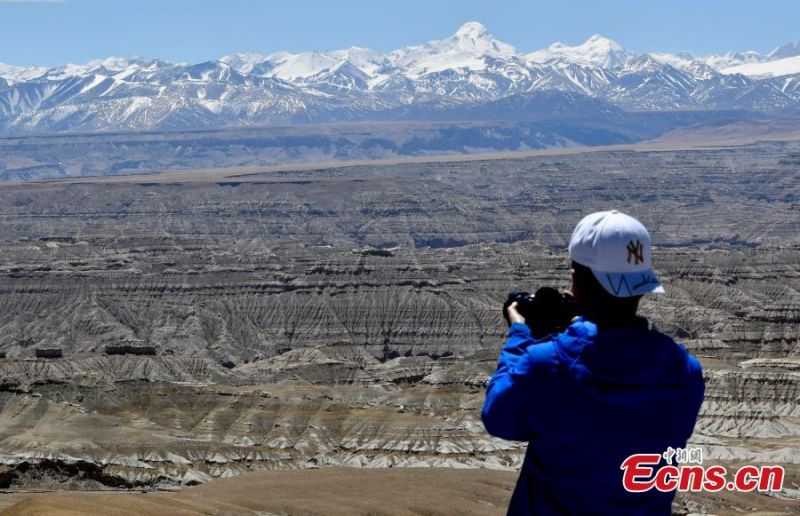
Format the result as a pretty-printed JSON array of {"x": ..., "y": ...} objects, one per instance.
[{"x": 52, "y": 32}]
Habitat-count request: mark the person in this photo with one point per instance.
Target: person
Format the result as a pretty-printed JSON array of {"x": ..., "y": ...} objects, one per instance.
[{"x": 607, "y": 387}]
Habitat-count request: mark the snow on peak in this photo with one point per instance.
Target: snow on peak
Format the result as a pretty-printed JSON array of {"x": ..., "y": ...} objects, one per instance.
[
  {"x": 641, "y": 63},
  {"x": 777, "y": 68},
  {"x": 598, "y": 50},
  {"x": 685, "y": 62},
  {"x": 299, "y": 67},
  {"x": 602, "y": 51},
  {"x": 21, "y": 73},
  {"x": 467, "y": 49},
  {"x": 788, "y": 50},
  {"x": 367, "y": 60},
  {"x": 294, "y": 67},
  {"x": 598, "y": 40},
  {"x": 731, "y": 59},
  {"x": 243, "y": 62},
  {"x": 472, "y": 30},
  {"x": 474, "y": 38},
  {"x": 113, "y": 63},
  {"x": 681, "y": 61},
  {"x": 110, "y": 66}
]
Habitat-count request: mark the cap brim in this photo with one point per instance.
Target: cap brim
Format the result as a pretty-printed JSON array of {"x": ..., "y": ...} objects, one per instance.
[{"x": 628, "y": 284}]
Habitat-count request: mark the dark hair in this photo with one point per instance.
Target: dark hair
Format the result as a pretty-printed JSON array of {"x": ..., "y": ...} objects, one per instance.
[{"x": 600, "y": 306}]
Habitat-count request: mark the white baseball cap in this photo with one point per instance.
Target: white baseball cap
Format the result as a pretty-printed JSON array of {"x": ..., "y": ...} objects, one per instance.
[{"x": 616, "y": 247}]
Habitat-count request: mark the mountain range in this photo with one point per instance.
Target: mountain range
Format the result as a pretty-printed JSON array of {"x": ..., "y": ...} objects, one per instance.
[{"x": 468, "y": 75}]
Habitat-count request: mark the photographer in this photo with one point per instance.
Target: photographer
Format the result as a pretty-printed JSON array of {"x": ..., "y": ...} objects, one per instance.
[{"x": 605, "y": 388}]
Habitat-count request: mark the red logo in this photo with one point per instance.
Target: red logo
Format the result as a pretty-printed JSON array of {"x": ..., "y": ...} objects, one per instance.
[{"x": 641, "y": 472}]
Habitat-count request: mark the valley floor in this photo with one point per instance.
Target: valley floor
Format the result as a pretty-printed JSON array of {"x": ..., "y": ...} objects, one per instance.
[
  {"x": 334, "y": 491},
  {"x": 322, "y": 491}
]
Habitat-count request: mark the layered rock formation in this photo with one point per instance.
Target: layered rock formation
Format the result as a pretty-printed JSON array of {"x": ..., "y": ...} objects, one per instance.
[{"x": 350, "y": 317}]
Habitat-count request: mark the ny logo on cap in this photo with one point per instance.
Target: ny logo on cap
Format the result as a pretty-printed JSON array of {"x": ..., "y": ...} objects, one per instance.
[{"x": 635, "y": 251}]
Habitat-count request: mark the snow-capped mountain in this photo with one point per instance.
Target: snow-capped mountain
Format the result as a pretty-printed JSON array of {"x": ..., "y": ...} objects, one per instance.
[
  {"x": 597, "y": 51},
  {"x": 470, "y": 48},
  {"x": 788, "y": 50},
  {"x": 20, "y": 73},
  {"x": 458, "y": 77},
  {"x": 772, "y": 68}
]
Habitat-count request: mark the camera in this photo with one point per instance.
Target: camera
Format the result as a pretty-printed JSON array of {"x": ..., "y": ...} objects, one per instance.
[{"x": 547, "y": 311}]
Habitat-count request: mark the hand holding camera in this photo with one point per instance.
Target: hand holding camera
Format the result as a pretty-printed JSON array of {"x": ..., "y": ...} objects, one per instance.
[{"x": 546, "y": 312}]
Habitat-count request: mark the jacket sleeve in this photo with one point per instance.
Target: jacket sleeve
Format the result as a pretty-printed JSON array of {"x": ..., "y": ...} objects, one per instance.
[
  {"x": 505, "y": 412},
  {"x": 698, "y": 392}
]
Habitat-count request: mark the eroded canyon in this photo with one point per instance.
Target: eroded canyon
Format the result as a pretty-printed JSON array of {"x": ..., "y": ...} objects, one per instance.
[{"x": 159, "y": 333}]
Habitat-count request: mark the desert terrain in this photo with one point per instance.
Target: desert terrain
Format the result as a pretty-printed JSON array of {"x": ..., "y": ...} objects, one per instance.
[{"x": 250, "y": 330}]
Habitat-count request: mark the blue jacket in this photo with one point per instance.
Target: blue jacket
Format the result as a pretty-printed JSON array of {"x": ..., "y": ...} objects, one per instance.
[{"x": 586, "y": 400}]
